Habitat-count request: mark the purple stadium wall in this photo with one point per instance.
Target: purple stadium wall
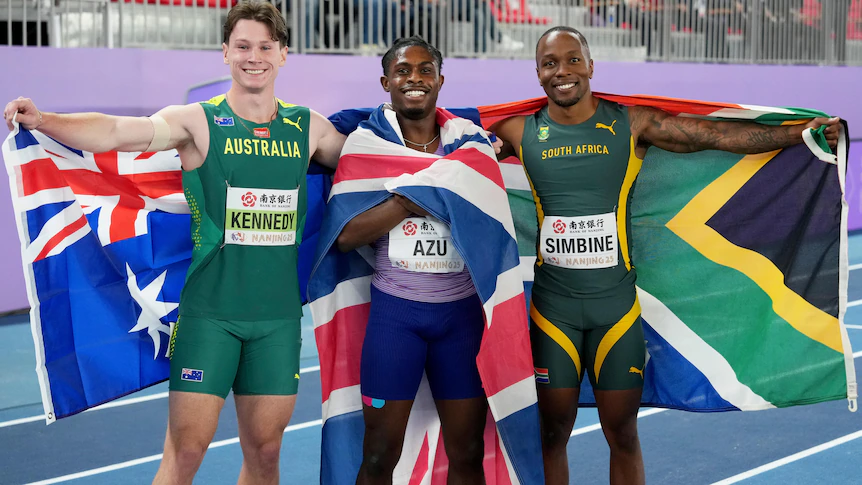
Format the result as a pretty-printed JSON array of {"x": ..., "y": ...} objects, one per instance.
[{"x": 139, "y": 82}]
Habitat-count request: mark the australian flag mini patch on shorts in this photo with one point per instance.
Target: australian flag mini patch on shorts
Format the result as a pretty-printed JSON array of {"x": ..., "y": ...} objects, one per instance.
[
  {"x": 542, "y": 375},
  {"x": 193, "y": 375}
]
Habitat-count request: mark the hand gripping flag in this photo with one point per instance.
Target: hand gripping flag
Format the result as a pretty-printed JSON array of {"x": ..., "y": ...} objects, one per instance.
[
  {"x": 465, "y": 190},
  {"x": 105, "y": 242},
  {"x": 741, "y": 264}
]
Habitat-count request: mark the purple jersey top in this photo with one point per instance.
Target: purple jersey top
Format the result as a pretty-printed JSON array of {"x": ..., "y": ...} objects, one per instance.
[{"x": 415, "y": 286}]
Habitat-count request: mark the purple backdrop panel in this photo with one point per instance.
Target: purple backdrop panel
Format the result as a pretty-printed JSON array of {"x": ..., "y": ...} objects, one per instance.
[
  {"x": 140, "y": 82},
  {"x": 854, "y": 186}
]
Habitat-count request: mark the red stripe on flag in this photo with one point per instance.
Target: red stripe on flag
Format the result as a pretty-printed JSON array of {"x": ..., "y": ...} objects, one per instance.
[
  {"x": 493, "y": 113},
  {"x": 339, "y": 345},
  {"x": 671, "y": 105},
  {"x": 49, "y": 152},
  {"x": 481, "y": 163},
  {"x": 443, "y": 116},
  {"x": 363, "y": 167},
  {"x": 511, "y": 161},
  {"x": 509, "y": 336},
  {"x": 60, "y": 236},
  {"x": 420, "y": 469},
  {"x": 40, "y": 174},
  {"x": 360, "y": 167}
]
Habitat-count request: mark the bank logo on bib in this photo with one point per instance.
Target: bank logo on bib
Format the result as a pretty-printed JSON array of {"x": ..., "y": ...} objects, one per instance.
[
  {"x": 249, "y": 199},
  {"x": 409, "y": 228},
  {"x": 559, "y": 227}
]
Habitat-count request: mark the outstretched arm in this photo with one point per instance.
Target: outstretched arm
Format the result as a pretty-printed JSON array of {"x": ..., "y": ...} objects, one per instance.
[
  {"x": 97, "y": 132},
  {"x": 325, "y": 141},
  {"x": 682, "y": 135},
  {"x": 510, "y": 130},
  {"x": 375, "y": 222}
]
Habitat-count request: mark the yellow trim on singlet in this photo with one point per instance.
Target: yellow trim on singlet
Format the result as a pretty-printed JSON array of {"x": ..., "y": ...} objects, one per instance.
[
  {"x": 632, "y": 170},
  {"x": 615, "y": 334},
  {"x": 216, "y": 100},
  {"x": 557, "y": 336},
  {"x": 690, "y": 224},
  {"x": 540, "y": 214}
]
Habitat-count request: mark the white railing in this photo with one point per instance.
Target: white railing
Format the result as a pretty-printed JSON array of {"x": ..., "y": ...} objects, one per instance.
[{"x": 729, "y": 31}]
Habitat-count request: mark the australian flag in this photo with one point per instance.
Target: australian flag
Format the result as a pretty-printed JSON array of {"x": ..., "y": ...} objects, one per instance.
[{"x": 105, "y": 242}]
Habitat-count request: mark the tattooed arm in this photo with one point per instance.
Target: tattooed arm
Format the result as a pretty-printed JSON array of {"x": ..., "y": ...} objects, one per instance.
[{"x": 683, "y": 135}]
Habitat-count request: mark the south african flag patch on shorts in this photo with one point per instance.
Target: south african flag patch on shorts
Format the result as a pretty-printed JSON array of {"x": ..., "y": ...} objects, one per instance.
[{"x": 542, "y": 375}]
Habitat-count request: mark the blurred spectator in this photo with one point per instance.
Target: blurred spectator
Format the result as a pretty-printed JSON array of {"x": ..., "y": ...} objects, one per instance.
[
  {"x": 854, "y": 21},
  {"x": 809, "y": 39},
  {"x": 723, "y": 17},
  {"x": 425, "y": 17}
]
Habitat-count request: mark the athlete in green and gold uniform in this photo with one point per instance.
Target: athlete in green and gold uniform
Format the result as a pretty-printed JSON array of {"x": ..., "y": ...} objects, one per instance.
[
  {"x": 240, "y": 306},
  {"x": 584, "y": 311},
  {"x": 582, "y": 156},
  {"x": 244, "y": 157}
]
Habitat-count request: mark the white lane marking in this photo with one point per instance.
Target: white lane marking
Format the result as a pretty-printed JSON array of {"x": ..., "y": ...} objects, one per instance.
[
  {"x": 122, "y": 402},
  {"x": 790, "y": 459},
  {"x": 147, "y": 459}
]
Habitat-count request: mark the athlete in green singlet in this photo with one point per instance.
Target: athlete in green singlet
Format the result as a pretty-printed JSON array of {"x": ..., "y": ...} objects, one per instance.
[
  {"x": 582, "y": 157},
  {"x": 244, "y": 157}
]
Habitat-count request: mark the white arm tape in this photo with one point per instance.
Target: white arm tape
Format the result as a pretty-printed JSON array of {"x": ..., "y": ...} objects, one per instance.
[{"x": 161, "y": 134}]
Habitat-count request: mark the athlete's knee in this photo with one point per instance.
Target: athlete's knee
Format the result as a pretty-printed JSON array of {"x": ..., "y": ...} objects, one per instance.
[
  {"x": 187, "y": 454},
  {"x": 467, "y": 454},
  {"x": 264, "y": 455},
  {"x": 556, "y": 431},
  {"x": 380, "y": 457},
  {"x": 623, "y": 437}
]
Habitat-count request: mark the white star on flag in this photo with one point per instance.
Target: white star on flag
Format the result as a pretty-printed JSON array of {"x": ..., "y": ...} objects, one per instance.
[{"x": 152, "y": 310}]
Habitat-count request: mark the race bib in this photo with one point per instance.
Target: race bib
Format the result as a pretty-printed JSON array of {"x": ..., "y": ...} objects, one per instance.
[
  {"x": 260, "y": 217},
  {"x": 424, "y": 245},
  {"x": 588, "y": 242}
]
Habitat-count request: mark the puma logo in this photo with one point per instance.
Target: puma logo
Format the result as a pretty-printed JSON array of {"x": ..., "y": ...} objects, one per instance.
[
  {"x": 606, "y": 127},
  {"x": 295, "y": 124},
  {"x": 635, "y": 370}
]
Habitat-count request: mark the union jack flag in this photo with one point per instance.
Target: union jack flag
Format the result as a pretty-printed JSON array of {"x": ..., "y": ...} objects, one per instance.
[{"x": 465, "y": 189}]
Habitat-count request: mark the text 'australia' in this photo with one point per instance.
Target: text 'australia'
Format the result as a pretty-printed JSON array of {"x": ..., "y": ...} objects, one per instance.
[{"x": 261, "y": 147}]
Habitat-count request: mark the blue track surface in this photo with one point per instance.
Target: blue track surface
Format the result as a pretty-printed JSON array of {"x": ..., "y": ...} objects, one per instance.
[{"x": 678, "y": 447}]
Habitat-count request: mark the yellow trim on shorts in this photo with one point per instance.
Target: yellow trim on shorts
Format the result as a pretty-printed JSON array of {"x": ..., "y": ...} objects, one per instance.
[
  {"x": 556, "y": 335},
  {"x": 615, "y": 334},
  {"x": 632, "y": 170},
  {"x": 540, "y": 213}
]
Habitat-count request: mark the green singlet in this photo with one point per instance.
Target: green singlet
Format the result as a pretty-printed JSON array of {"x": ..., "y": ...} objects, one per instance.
[
  {"x": 248, "y": 207},
  {"x": 584, "y": 305}
]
